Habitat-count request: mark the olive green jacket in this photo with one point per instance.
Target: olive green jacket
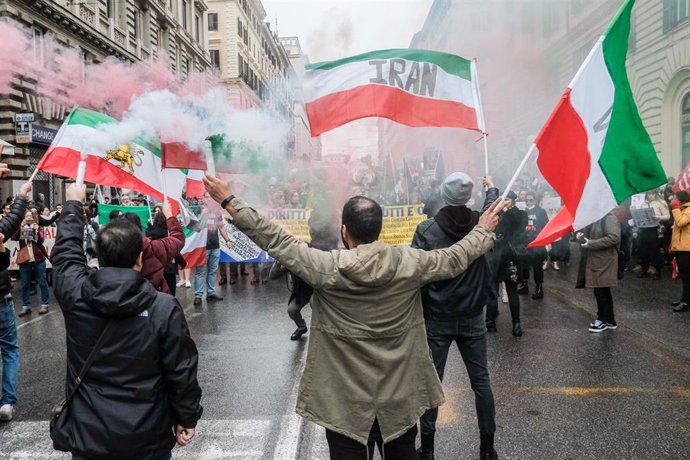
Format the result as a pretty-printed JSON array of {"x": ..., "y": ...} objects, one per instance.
[{"x": 368, "y": 356}]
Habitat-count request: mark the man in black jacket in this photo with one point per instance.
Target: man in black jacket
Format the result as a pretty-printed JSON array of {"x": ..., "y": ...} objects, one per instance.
[
  {"x": 9, "y": 346},
  {"x": 141, "y": 393},
  {"x": 536, "y": 221},
  {"x": 454, "y": 309}
]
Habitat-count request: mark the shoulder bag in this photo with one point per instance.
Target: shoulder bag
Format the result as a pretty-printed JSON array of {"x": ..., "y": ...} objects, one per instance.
[{"x": 57, "y": 413}]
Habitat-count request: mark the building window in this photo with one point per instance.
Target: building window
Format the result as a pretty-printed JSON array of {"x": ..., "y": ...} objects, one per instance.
[
  {"x": 215, "y": 58},
  {"x": 212, "y": 21},
  {"x": 239, "y": 27},
  {"x": 184, "y": 14},
  {"x": 685, "y": 129},
  {"x": 197, "y": 36},
  {"x": 676, "y": 12}
]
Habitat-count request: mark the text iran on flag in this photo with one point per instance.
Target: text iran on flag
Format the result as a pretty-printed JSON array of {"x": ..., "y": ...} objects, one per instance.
[
  {"x": 594, "y": 150},
  {"x": 411, "y": 87}
]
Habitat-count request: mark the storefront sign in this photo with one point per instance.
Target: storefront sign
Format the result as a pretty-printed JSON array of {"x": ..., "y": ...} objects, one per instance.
[
  {"x": 42, "y": 135},
  {"x": 24, "y": 117}
]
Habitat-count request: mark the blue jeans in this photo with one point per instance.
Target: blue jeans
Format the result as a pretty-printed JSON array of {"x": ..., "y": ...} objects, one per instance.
[
  {"x": 207, "y": 273},
  {"x": 10, "y": 352},
  {"x": 25, "y": 275}
]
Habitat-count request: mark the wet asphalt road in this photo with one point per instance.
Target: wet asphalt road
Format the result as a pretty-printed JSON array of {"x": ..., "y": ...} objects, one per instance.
[{"x": 561, "y": 392}]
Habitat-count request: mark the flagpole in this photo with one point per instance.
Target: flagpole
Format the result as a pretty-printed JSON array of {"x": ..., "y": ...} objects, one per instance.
[
  {"x": 519, "y": 170},
  {"x": 165, "y": 187},
  {"x": 481, "y": 124}
]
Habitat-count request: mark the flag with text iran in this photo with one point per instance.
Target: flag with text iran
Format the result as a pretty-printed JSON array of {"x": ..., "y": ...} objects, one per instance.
[
  {"x": 594, "y": 150},
  {"x": 411, "y": 87}
]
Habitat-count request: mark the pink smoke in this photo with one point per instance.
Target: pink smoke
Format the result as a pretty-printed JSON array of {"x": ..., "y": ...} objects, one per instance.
[{"x": 109, "y": 86}]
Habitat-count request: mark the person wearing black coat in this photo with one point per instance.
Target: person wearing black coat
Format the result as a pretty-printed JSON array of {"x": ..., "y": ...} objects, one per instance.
[
  {"x": 454, "y": 308},
  {"x": 141, "y": 393},
  {"x": 535, "y": 257},
  {"x": 9, "y": 346},
  {"x": 503, "y": 262}
]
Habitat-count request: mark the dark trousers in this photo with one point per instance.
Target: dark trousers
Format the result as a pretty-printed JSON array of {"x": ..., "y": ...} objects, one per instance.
[
  {"x": 171, "y": 279},
  {"x": 343, "y": 448},
  {"x": 683, "y": 260},
  {"x": 650, "y": 249},
  {"x": 295, "y": 313},
  {"x": 604, "y": 305},
  {"x": 534, "y": 259},
  {"x": 166, "y": 456},
  {"x": 513, "y": 303},
  {"x": 470, "y": 336}
]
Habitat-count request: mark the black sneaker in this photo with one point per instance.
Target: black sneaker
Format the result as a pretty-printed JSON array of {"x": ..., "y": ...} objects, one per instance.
[
  {"x": 491, "y": 326},
  {"x": 598, "y": 326},
  {"x": 681, "y": 307},
  {"x": 517, "y": 330},
  {"x": 423, "y": 454},
  {"x": 676, "y": 303},
  {"x": 613, "y": 326}
]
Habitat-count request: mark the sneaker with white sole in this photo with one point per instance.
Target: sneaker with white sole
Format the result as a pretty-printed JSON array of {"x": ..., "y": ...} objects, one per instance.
[
  {"x": 6, "y": 413},
  {"x": 597, "y": 326},
  {"x": 612, "y": 326},
  {"x": 504, "y": 293},
  {"x": 545, "y": 265},
  {"x": 187, "y": 284},
  {"x": 180, "y": 283},
  {"x": 555, "y": 266}
]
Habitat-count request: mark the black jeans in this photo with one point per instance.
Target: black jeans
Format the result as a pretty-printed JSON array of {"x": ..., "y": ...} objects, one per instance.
[
  {"x": 513, "y": 303},
  {"x": 604, "y": 305},
  {"x": 534, "y": 259},
  {"x": 165, "y": 456},
  {"x": 295, "y": 314},
  {"x": 650, "y": 249},
  {"x": 470, "y": 336},
  {"x": 343, "y": 448},
  {"x": 683, "y": 261}
]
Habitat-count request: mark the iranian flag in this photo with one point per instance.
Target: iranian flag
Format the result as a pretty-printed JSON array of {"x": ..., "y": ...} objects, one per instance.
[
  {"x": 408, "y": 86},
  {"x": 135, "y": 166},
  {"x": 194, "y": 250},
  {"x": 594, "y": 149}
]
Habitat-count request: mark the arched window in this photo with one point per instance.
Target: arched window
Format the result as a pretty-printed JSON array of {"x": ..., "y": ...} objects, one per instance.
[{"x": 685, "y": 128}]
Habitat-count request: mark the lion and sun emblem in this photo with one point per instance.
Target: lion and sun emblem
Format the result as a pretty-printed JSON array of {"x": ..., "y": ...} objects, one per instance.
[{"x": 127, "y": 156}]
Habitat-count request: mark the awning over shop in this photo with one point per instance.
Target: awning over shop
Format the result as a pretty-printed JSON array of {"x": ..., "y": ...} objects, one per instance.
[{"x": 6, "y": 148}]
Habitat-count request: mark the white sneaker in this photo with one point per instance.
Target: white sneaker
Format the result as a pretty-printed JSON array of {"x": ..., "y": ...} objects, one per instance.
[
  {"x": 504, "y": 294},
  {"x": 6, "y": 413},
  {"x": 545, "y": 265},
  {"x": 555, "y": 266},
  {"x": 180, "y": 283},
  {"x": 187, "y": 284}
]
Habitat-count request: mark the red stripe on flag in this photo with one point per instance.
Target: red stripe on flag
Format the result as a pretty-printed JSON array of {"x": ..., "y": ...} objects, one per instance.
[
  {"x": 565, "y": 162},
  {"x": 178, "y": 155},
  {"x": 196, "y": 257},
  {"x": 195, "y": 189},
  {"x": 64, "y": 161},
  {"x": 336, "y": 109}
]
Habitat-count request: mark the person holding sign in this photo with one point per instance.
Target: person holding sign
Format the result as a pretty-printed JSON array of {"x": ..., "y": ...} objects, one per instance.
[
  {"x": 32, "y": 255},
  {"x": 651, "y": 235},
  {"x": 368, "y": 375}
]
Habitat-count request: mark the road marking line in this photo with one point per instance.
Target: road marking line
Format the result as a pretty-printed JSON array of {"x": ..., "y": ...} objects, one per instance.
[
  {"x": 290, "y": 437},
  {"x": 36, "y": 319}
]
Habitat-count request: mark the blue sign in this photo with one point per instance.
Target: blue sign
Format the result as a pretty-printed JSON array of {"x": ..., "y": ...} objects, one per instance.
[{"x": 42, "y": 135}]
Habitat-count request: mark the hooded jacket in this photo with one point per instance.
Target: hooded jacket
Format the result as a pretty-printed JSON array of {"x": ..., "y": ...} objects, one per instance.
[
  {"x": 368, "y": 356},
  {"x": 8, "y": 227},
  {"x": 143, "y": 381},
  {"x": 465, "y": 295},
  {"x": 158, "y": 253}
]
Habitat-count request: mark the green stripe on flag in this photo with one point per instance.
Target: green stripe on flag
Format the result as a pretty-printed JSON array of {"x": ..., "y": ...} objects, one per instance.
[
  {"x": 628, "y": 159},
  {"x": 143, "y": 212},
  {"x": 448, "y": 62}
]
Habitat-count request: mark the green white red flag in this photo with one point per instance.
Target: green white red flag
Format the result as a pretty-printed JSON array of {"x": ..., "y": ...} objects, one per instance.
[
  {"x": 411, "y": 87},
  {"x": 135, "y": 166},
  {"x": 594, "y": 150}
]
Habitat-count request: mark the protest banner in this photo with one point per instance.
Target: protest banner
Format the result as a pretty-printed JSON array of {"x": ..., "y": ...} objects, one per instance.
[
  {"x": 12, "y": 246},
  {"x": 400, "y": 222},
  {"x": 644, "y": 218}
]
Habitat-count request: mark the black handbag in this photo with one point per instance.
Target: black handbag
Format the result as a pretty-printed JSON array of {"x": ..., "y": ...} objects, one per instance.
[{"x": 58, "y": 413}]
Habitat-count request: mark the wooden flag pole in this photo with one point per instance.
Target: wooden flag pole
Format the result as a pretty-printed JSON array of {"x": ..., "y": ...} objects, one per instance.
[{"x": 31, "y": 179}]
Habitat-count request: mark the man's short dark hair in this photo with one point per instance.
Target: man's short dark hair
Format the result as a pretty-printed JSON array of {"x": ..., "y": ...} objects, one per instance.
[
  {"x": 133, "y": 218},
  {"x": 363, "y": 218},
  {"x": 119, "y": 244},
  {"x": 114, "y": 214},
  {"x": 683, "y": 196}
]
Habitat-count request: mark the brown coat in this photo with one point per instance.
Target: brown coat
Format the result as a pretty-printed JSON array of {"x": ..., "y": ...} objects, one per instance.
[{"x": 600, "y": 257}]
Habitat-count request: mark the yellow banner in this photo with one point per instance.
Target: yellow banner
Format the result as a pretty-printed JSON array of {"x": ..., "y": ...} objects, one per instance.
[{"x": 399, "y": 222}]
